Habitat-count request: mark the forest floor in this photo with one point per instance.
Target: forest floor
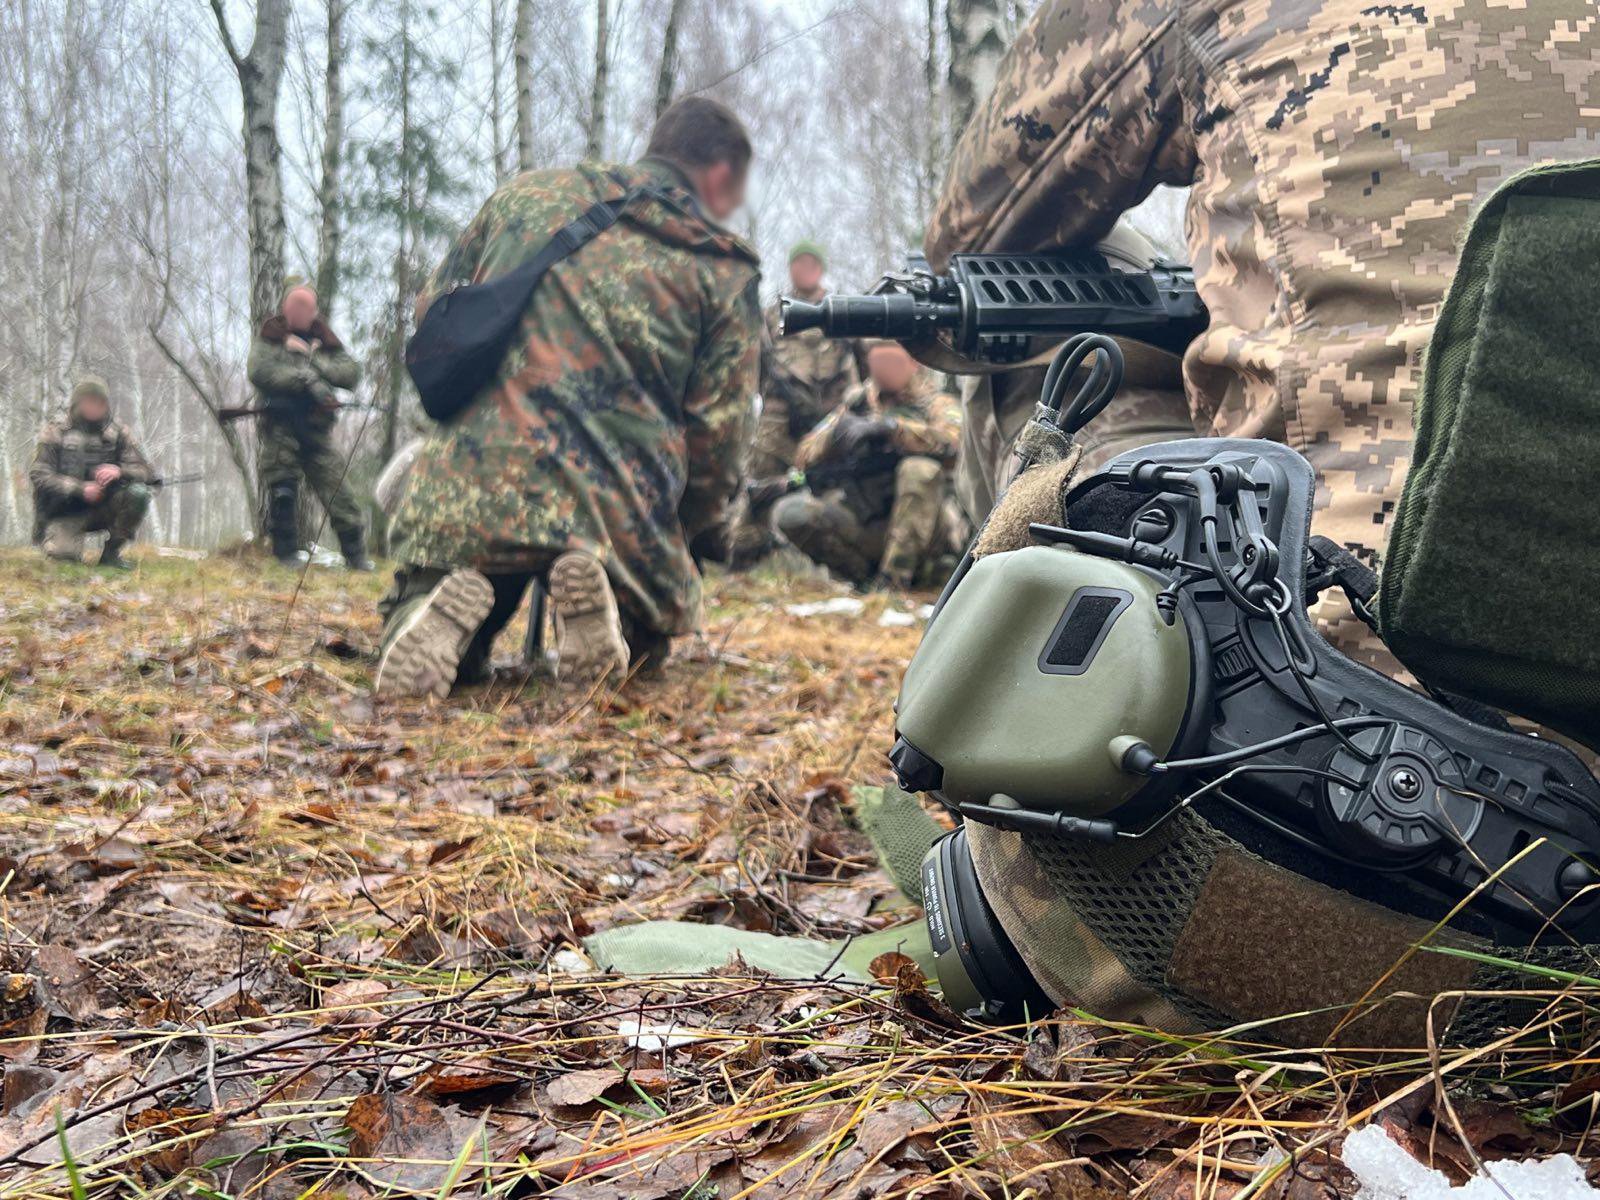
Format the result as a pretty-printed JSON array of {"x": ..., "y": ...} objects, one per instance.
[{"x": 266, "y": 937}]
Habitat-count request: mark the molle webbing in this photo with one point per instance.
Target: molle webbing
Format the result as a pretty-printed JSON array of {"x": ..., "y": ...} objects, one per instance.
[{"x": 1489, "y": 582}]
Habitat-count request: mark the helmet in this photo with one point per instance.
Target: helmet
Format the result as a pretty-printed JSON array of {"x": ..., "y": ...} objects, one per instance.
[{"x": 1183, "y": 807}]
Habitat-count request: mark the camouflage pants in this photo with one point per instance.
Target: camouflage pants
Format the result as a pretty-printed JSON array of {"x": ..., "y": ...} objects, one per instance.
[
  {"x": 904, "y": 547},
  {"x": 118, "y": 516},
  {"x": 301, "y": 445}
]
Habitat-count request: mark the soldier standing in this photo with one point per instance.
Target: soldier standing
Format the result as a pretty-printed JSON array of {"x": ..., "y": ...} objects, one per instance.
[
  {"x": 88, "y": 476},
  {"x": 878, "y": 474},
  {"x": 611, "y": 435},
  {"x": 1335, "y": 151},
  {"x": 296, "y": 363},
  {"x": 803, "y": 379}
]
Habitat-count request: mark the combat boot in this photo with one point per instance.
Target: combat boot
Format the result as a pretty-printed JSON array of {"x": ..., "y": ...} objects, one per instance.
[
  {"x": 422, "y": 656},
  {"x": 589, "y": 640},
  {"x": 111, "y": 555},
  {"x": 354, "y": 549},
  {"x": 283, "y": 524}
]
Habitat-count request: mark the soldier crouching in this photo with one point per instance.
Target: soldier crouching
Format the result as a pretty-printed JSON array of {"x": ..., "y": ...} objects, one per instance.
[
  {"x": 878, "y": 479},
  {"x": 609, "y": 437},
  {"x": 88, "y": 476}
]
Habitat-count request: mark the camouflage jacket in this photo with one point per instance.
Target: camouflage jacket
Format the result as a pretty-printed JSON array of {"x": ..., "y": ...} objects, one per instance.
[
  {"x": 299, "y": 384},
  {"x": 925, "y": 422},
  {"x": 69, "y": 451},
  {"x": 1335, "y": 148},
  {"x": 808, "y": 374},
  {"x": 621, "y": 416}
]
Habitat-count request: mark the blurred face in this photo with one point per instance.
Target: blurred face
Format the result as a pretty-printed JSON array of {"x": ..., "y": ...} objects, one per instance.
[
  {"x": 721, "y": 189},
  {"x": 891, "y": 368},
  {"x": 93, "y": 408},
  {"x": 300, "y": 309},
  {"x": 805, "y": 273}
]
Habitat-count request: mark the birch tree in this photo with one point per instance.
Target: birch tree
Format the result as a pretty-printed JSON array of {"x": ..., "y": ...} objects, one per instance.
[
  {"x": 599, "y": 95},
  {"x": 260, "y": 72},
  {"x": 330, "y": 195}
]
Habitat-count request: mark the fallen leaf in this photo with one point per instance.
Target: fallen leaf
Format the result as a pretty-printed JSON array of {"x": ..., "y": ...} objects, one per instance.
[
  {"x": 410, "y": 1142},
  {"x": 582, "y": 1087}
]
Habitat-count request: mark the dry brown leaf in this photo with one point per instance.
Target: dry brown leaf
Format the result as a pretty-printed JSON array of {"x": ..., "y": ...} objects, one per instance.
[
  {"x": 582, "y": 1087},
  {"x": 352, "y": 1002},
  {"x": 473, "y": 1074},
  {"x": 886, "y": 967},
  {"x": 410, "y": 1141},
  {"x": 1018, "y": 1148}
]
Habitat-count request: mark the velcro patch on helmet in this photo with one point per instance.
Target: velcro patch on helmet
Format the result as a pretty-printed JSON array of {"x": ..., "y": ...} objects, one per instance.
[
  {"x": 1264, "y": 942},
  {"x": 1033, "y": 497}
]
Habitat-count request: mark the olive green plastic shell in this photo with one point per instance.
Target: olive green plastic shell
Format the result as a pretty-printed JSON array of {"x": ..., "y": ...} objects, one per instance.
[{"x": 976, "y": 699}]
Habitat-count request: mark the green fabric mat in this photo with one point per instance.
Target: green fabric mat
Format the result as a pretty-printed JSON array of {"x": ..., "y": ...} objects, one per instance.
[
  {"x": 1490, "y": 582},
  {"x": 901, "y": 831},
  {"x": 683, "y": 948}
]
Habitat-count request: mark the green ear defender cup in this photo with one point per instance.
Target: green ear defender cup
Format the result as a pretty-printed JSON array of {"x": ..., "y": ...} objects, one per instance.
[
  {"x": 975, "y": 960},
  {"x": 1042, "y": 664}
]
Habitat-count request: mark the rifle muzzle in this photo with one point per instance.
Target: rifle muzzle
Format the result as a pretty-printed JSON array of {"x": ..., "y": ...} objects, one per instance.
[{"x": 901, "y": 317}]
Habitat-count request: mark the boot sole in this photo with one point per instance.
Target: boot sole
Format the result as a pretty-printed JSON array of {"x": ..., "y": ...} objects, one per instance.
[
  {"x": 423, "y": 657},
  {"x": 589, "y": 641}
]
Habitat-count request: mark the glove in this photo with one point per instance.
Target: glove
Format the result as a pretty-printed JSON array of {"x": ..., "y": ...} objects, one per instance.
[{"x": 852, "y": 433}]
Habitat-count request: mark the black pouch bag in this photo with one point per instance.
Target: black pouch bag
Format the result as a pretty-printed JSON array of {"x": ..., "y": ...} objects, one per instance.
[
  {"x": 464, "y": 335},
  {"x": 1491, "y": 583}
]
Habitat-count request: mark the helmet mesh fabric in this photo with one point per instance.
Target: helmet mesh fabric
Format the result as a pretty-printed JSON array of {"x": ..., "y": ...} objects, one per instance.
[{"x": 1137, "y": 895}]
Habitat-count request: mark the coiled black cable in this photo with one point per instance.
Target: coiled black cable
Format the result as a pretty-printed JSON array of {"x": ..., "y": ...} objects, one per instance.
[{"x": 1105, "y": 377}]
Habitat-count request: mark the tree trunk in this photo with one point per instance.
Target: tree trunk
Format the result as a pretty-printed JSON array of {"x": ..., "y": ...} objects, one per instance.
[
  {"x": 496, "y": 76},
  {"x": 404, "y": 232},
  {"x": 667, "y": 74},
  {"x": 329, "y": 195},
  {"x": 978, "y": 41},
  {"x": 595, "y": 147},
  {"x": 933, "y": 149},
  {"x": 260, "y": 76},
  {"x": 523, "y": 43}
]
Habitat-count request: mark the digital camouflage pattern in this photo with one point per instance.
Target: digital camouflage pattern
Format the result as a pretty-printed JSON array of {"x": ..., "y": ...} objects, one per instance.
[
  {"x": 884, "y": 514},
  {"x": 294, "y": 434},
  {"x": 620, "y": 420},
  {"x": 66, "y": 457},
  {"x": 1335, "y": 148}
]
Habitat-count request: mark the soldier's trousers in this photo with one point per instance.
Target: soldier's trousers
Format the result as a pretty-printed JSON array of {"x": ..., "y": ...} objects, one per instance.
[
  {"x": 904, "y": 546},
  {"x": 118, "y": 516},
  {"x": 301, "y": 445}
]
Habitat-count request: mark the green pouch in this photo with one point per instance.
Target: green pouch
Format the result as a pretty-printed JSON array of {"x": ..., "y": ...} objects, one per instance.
[{"x": 1491, "y": 584}]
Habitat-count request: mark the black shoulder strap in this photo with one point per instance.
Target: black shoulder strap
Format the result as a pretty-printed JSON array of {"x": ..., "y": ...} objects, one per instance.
[{"x": 579, "y": 232}]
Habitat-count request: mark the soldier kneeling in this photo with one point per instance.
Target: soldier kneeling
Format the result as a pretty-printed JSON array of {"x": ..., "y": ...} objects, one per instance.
[
  {"x": 88, "y": 476},
  {"x": 877, "y": 475}
]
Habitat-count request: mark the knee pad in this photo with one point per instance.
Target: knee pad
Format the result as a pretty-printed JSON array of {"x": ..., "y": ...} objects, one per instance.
[{"x": 916, "y": 471}]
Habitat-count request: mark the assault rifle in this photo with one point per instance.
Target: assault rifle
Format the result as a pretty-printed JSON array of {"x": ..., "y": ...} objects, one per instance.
[
  {"x": 161, "y": 481},
  {"x": 865, "y": 463},
  {"x": 989, "y": 307},
  {"x": 241, "y": 412}
]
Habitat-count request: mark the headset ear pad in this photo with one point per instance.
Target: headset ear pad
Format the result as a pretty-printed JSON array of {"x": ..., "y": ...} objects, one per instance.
[{"x": 979, "y": 969}]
